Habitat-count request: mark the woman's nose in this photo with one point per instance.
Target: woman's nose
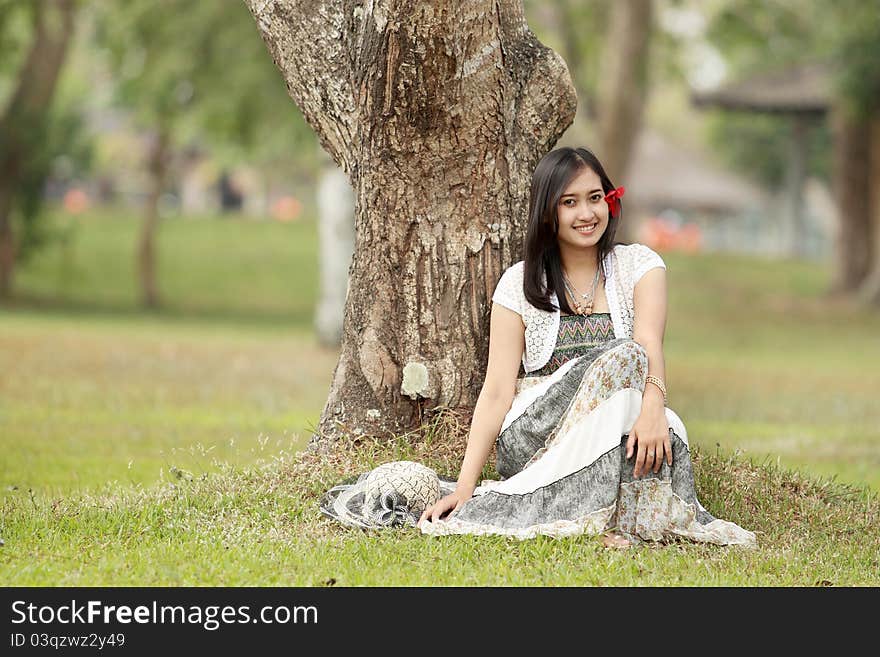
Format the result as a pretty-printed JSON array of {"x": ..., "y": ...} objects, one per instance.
[{"x": 586, "y": 211}]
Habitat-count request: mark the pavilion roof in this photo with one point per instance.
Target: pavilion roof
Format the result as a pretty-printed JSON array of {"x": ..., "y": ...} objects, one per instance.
[
  {"x": 666, "y": 174},
  {"x": 804, "y": 89}
]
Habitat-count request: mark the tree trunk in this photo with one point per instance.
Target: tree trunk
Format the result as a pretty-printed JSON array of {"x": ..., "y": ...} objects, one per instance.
[
  {"x": 22, "y": 124},
  {"x": 9, "y": 168},
  {"x": 336, "y": 244},
  {"x": 571, "y": 31},
  {"x": 851, "y": 162},
  {"x": 623, "y": 90},
  {"x": 438, "y": 112},
  {"x": 795, "y": 224},
  {"x": 158, "y": 167},
  {"x": 869, "y": 290}
]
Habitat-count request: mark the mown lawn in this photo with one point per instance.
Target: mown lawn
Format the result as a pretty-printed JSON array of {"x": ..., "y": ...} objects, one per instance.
[
  {"x": 760, "y": 360},
  {"x": 260, "y": 526},
  {"x": 95, "y": 390},
  {"x": 159, "y": 448}
]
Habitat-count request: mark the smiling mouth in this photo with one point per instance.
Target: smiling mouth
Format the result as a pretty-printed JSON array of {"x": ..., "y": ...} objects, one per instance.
[{"x": 587, "y": 228}]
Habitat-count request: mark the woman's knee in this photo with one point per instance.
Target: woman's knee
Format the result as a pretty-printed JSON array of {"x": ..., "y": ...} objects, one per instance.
[
  {"x": 633, "y": 348},
  {"x": 632, "y": 344},
  {"x": 628, "y": 356}
]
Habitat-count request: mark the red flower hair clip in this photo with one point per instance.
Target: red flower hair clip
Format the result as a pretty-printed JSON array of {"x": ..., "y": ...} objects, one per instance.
[{"x": 613, "y": 200}]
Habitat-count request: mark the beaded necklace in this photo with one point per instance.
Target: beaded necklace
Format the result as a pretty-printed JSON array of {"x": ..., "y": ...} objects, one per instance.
[{"x": 586, "y": 307}]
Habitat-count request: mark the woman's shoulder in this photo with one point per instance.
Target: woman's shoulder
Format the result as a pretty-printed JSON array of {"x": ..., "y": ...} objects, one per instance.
[
  {"x": 509, "y": 289},
  {"x": 516, "y": 267},
  {"x": 634, "y": 251},
  {"x": 514, "y": 273},
  {"x": 636, "y": 259}
]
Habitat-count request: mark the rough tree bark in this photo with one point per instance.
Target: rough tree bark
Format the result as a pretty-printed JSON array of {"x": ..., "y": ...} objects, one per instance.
[
  {"x": 25, "y": 115},
  {"x": 437, "y": 111}
]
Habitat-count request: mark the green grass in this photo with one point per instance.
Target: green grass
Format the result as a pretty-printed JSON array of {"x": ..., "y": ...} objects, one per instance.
[
  {"x": 760, "y": 360},
  {"x": 159, "y": 448},
  {"x": 227, "y": 268},
  {"x": 95, "y": 390},
  {"x": 260, "y": 526},
  {"x": 125, "y": 400}
]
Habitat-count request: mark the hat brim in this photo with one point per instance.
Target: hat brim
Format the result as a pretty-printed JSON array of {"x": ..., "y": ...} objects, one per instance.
[{"x": 345, "y": 501}]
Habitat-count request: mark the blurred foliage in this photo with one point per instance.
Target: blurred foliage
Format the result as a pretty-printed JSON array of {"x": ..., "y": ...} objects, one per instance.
[
  {"x": 62, "y": 140},
  {"x": 752, "y": 33},
  {"x": 201, "y": 72},
  {"x": 576, "y": 31},
  {"x": 57, "y": 132},
  {"x": 757, "y": 145},
  {"x": 197, "y": 70},
  {"x": 16, "y": 24},
  {"x": 855, "y": 48},
  {"x": 844, "y": 33},
  {"x": 573, "y": 30},
  {"x": 755, "y": 36}
]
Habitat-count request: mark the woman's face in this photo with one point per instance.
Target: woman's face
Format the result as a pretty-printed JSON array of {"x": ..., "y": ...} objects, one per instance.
[{"x": 582, "y": 211}]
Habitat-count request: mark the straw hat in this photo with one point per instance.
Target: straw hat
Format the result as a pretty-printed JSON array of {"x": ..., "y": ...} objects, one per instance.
[{"x": 390, "y": 495}]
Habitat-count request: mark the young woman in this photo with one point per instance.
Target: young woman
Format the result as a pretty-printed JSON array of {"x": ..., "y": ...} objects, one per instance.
[{"x": 574, "y": 398}]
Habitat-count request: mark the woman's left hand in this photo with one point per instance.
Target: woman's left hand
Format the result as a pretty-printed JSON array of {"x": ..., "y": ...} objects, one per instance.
[{"x": 649, "y": 437}]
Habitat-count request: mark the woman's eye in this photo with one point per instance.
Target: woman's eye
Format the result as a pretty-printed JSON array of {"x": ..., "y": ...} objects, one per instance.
[{"x": 596, "y": 198}]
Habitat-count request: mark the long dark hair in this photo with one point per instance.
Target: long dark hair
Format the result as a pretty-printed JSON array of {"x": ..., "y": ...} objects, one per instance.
[{"x": 552, "y": 175}]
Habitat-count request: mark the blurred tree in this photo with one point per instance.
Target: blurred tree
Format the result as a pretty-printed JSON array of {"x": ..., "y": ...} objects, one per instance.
[
  {"x": 438, "y": 112},
  {"x": 606, "y": 46},
  {"x": 196, "y": 72},
  {"x": 855, "y": 48},
  {"x": 845, "y": 34},
  {"x": 26, "y": 144},
  {"x": 336, "y": 245},
  {"x": 579, "y": 27},
  {"x": 624, "y": 82}
]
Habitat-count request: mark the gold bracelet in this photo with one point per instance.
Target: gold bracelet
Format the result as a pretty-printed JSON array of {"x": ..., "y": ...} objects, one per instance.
[{"x": 657, "y": 381}]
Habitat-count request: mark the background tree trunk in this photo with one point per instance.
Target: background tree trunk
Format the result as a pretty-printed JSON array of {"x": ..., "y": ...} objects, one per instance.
[
  {"x": 336, "y": 245},
  {"x": 851, "y": 176},
  {"x": 568, "y": 21},
  {"x": 794, "y": 219},
  {"x": 869, "y": 291},
  {"x": 158, "y": 168},
  {"x": 438, "y": 112},
  {"x": 623, "y": 89},
  {"x": 23, "y": 122}
]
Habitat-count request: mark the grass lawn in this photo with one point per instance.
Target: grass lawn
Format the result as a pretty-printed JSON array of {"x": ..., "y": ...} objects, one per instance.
[
  {"x": 159, "y": 448},
  {"x": 94, "y": 390}
]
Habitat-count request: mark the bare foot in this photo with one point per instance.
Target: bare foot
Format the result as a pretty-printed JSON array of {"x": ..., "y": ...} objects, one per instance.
[{"x": 615, "y": 541}]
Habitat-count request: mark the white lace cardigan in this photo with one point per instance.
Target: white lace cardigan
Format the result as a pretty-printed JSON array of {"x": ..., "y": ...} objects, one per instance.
[{"x": 625, "y": 264}]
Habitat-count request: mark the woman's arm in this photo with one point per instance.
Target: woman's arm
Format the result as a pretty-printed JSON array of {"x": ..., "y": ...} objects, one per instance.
[
  {"x": 506, "y": 345},
  {"x": 651, "y": 431}
]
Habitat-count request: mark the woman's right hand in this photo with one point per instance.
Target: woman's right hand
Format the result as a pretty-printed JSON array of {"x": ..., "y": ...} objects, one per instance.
[{"x": 445, "y": 505}]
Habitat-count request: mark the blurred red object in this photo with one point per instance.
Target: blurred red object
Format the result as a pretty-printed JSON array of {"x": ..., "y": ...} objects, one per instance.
[
  {"x": 664, "y": 235},
  {"x": 76, "y": 201},
  {"x": 690, "y": 238},
  {"x": 286, "y": 208}
]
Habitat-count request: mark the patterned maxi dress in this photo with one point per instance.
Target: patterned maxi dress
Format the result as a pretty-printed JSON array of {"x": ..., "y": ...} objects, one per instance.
[{"x": 564, "y": 462}]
